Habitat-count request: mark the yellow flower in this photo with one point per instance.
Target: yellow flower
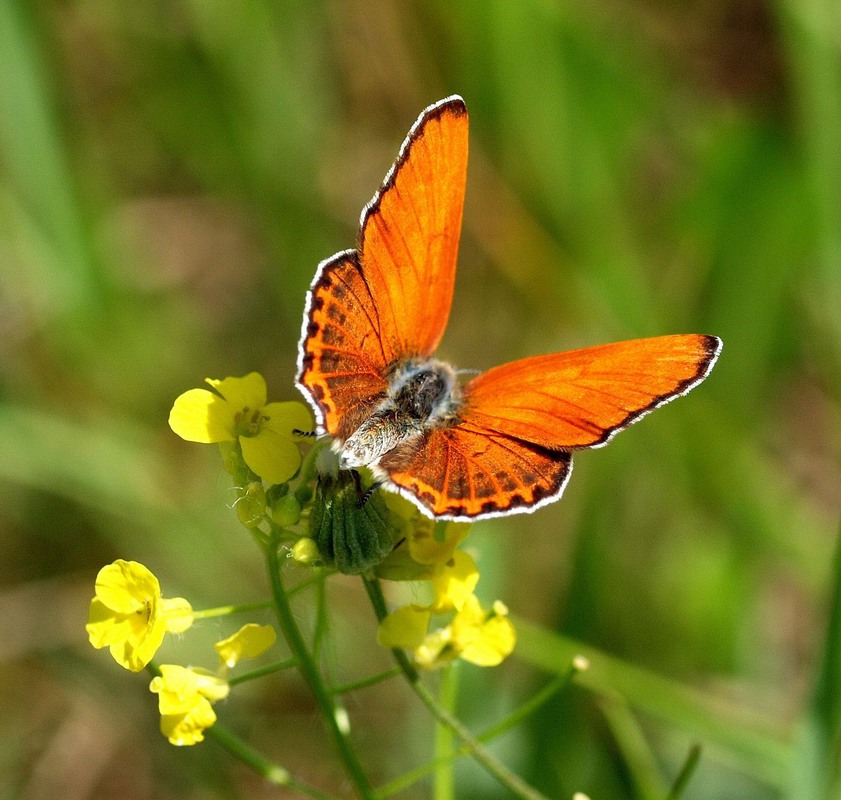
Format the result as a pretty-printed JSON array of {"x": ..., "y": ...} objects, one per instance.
[
  {"x": 429, "y": 553},
  {"x": 453, "y": 581},
  {"x": 249, "y": 641},
  {"x": 406, "y": 627},
  {"x": 129, "y": 615},
  {"x": 482, "y": 637},
  {"x": 184, "y": 698},
  {"x": 475, "y": 635},
  {"x": 239, "y": 412}
]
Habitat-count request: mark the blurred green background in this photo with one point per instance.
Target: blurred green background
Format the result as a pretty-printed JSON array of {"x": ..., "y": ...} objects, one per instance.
[{"x": 170, "y": 175}]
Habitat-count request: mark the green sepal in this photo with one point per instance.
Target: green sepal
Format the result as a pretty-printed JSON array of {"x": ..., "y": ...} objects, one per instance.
[{"x": 351, "y": 530}]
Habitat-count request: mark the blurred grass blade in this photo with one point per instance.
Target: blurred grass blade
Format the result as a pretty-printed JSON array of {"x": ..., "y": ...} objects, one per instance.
[
  {"x": 816, "y": 774},
  {"x": 34, "y": 159},
  {"x": 693, "y": 758},
  {"x": 743, "y": 738},
  {"x": 635, "y": 750}
]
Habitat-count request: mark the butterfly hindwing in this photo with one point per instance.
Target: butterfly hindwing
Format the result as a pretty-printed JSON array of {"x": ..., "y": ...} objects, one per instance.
[
  {"x": 509, "y": 452},
  {"x": 465, "y": 472}
]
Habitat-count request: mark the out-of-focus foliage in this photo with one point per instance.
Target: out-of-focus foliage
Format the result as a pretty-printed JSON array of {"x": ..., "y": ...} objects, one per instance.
[{"x": 171, "y": 174}]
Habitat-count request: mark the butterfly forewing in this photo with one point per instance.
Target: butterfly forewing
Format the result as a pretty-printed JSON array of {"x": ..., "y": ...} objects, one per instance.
[
  {"x": 410, "y": 230},
  {"x": 580, "y": 398},
  {"x": 388, "y": 300},
  {"x": 343, "y": 359}
]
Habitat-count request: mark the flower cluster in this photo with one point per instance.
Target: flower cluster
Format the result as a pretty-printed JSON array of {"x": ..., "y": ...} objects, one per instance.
[
  {"x": 429, "y": 553},
  {"x": 325, "y": 518},
  {"x": 129, "y": 615}
]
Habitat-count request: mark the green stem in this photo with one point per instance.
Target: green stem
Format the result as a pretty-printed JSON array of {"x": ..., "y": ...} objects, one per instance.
[
  {"x": 271, "y": 772},
  {"x": 531, "y": 705},
  {"x": 222, "y": 611},
  {"x": 261, "y": 672},
  {"x": 364, "y": 683},
  {"x": 505, "y": 776},
  {"x": 311, "y": 675},
  {"x": 444, "y": 779},
  {"x": 411, "y": 777}
]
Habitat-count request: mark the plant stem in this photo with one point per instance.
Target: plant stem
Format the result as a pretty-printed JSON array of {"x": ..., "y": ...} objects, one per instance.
[
  {"x": 273, "y": 773},
  {"x": 364, "y": 683},
  {"x": 505, "y": 776},
  {"x": 221, "y": 611},
  {"x": 686, "y": 772},
  {"x": 447, "y": 691},
  {"x": 311, "y": 675},
  {"x": 531, "y": 705},
  {"x": 261, "y": 672}
]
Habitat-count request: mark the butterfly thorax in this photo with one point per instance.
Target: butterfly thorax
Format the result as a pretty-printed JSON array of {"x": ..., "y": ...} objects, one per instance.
[{"x": 422, "y": 394}]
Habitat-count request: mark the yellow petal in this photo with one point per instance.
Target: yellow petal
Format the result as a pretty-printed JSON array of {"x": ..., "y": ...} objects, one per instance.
[
  {"x": 188, "y": 728},
  {"x": 435, "y": 650},
  {"x": 454, "y": 582},
  {"x": 104, "y": 627},
  {"x": 273, "y": 457},
  {"x": 176, "y": 613},
  {"x": 178, "y": 688},
  {"x": 494, "y": 642},
  {"x": 481, "y": 637},
  {"x": 426, "y": 548},
  {"x": 136, "y": 654},
  {"x": 127, "y": 587},
  {"x": 248, "y": 392},
  {"x": 201, "y": 416},
  {"x": 283, "y": 418},
  {"x": 406, "y": 627},
  {"x": 249, "y": 641},
  {"x": 212, "y": 686}
]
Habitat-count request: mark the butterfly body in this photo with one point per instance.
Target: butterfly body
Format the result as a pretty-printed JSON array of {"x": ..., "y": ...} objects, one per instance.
[
  {"x": 422, "y": 394},
  {"x": 503, "y": 442}
]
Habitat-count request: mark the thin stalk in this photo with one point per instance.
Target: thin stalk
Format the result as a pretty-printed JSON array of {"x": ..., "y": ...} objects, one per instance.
[
  {"x": 311, "y": 675},
  {"x": 364, "y": 683},
  {"x": 444, "y": 785},
  {"x": 693, "y": 758},
  {"x": 407, "y": 779},
  {"x": 261, "y": 672},
  {"x": 222, "y": 611},
  {"x": 271, "y": 772},
  {"x": 492, "y": 765}
]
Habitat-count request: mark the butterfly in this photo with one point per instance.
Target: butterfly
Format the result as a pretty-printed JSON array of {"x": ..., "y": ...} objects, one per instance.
[{"x": 502, "y": 443}]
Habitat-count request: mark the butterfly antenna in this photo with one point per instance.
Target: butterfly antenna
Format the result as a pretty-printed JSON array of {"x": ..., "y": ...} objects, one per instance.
[{"x": 297, "y": 432}]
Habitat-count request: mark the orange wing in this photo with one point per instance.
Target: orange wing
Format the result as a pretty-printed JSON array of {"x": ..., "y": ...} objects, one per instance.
[
  {"x": 467, "y": 472},
  {"x": 389, "y": 299},
  {"x": 408, "y": 241},
  {"x": 581, "y": 398},
  {"x": 509, "y": 452}
]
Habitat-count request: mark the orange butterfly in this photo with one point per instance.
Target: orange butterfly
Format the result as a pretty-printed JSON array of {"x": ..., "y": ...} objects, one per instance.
[{"x": 500, "y": 444}]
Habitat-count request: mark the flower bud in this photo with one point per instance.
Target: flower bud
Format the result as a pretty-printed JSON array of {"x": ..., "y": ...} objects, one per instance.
[
  {"x": 251, "y": 505},
  {"x": 305, "y": 551},
  {"x": 286, "y": 511},
  {"x": 351, "y": 528}
]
